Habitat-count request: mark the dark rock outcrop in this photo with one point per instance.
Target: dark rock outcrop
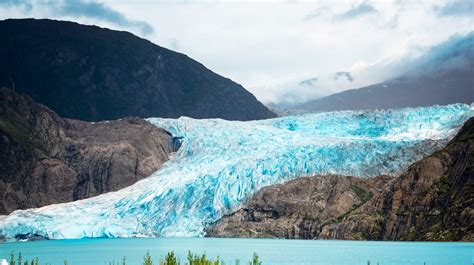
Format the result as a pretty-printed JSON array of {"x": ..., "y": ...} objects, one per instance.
[
  {"x": 91, "y": 73},
  {"x": 432, "y": 200},
  {"x": 45, "y": 159}
]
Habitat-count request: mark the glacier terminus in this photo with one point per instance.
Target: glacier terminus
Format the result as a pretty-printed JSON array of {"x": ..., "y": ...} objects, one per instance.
[{"x": 221, "y": 163}]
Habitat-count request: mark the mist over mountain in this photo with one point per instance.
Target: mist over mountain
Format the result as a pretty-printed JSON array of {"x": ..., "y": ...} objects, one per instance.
[
  {"x": 92, "y": 73},
  {"x": 443, "y": 75}
]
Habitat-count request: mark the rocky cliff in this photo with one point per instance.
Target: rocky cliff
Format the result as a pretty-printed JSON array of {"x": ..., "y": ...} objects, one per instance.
[
  {"x": 432, "y": 200},
  {"x": 91, "y": 73},
  {"x": 45, "y": 159}
]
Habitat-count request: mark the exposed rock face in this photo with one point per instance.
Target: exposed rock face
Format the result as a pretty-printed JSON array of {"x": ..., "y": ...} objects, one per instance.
[
  {"x": 45, "y": 159},
  {"x": 298, "y": 208},
  {"x": 432, "y": 200},
  {"x": 91, "y": 73}
]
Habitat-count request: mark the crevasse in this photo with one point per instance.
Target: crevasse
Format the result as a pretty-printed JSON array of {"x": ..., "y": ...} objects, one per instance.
[{"x": 221, "y": 163}]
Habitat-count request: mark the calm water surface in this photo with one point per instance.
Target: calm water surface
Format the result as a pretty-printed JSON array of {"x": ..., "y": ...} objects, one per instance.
[{"x": 271, "y": 251}]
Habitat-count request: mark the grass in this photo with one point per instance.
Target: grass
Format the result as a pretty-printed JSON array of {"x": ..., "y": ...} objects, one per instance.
[{"x": 169, "y": 259}]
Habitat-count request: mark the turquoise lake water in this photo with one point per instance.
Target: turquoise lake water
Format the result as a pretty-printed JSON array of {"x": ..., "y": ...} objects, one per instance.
[{"x": 271, "y": 251}]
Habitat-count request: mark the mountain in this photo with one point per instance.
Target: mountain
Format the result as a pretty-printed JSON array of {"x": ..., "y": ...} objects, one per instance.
[
  {"x": 432, "y": 200},
  {"x": 45, "y": 159},
  {"x": 91, "y": 73},
  {"x": 444, "y": 75}
]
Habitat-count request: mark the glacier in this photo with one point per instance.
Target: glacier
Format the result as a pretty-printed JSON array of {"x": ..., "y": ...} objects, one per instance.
[{"x": 221, "y": 163}]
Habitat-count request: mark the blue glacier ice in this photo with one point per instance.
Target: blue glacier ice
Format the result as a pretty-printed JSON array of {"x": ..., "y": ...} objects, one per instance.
[{"x": 221, "y": 163}]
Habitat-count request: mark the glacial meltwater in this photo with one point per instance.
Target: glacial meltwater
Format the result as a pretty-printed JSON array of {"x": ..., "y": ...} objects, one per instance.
[
  {"x": 221, "y": 163},
  {"x": 271, "y": 251}
]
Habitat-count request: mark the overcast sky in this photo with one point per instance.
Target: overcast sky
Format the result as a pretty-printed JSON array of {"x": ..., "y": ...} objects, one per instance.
[{"x": 278, "y": 50}]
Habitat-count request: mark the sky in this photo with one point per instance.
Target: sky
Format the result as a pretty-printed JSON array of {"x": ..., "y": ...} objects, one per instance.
[{"x": 281, "y": 51}]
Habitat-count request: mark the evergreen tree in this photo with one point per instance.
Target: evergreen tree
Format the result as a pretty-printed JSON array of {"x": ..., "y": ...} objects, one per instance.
[
  {"x": 147, "y": 260},
  {"x": 171, "y": 259},
  {"x": 190, "y": 258},
  {"x": 255, "y": 260},
  {"x": 12, "y": 258}
]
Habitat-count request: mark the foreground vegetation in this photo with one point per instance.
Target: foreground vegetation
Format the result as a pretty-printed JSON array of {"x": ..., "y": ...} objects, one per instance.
[{"x": 169, "y": 259}]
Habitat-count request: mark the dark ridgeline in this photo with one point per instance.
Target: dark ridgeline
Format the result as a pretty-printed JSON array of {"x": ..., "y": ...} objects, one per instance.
[{"x": 91, "y": 73}]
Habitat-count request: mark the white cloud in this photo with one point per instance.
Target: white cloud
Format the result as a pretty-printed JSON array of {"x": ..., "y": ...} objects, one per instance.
[
  {"x": 270, "y": 47},
  {"x": 77, "y": 9}
]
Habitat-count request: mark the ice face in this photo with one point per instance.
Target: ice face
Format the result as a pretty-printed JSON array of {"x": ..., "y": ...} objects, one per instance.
[{"x": 221, "y": 163}]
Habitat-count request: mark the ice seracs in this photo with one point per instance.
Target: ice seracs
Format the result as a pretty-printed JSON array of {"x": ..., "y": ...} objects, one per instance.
[{"x": 221, "y": 163}]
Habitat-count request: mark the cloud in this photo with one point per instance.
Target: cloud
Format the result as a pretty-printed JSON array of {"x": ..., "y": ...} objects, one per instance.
[
  {"x": 362, "y": 9},
  {"x": 174, "y": 44},
  {"x": 309, "y": 82},
  {"x": 25, "y": 5},
  {"x": 100, "y": 11},
  {"x": 82, "y": 8},
  {"x": 455, "y": 53},
  {"x": 392, "y": 23},
  {"x": 344, "y": 75},
  {"x": 316, "y": 13},
  {"x": 455, "y": 8}
]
